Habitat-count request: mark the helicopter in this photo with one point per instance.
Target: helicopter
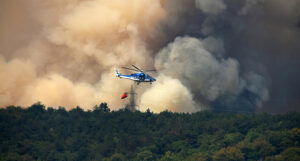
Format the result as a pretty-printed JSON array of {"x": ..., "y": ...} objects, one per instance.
[{"x": 140, "y": 76}]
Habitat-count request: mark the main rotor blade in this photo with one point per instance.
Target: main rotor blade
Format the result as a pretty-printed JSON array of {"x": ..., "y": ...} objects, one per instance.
[
  {"x": 137, "y": 68},
  {"x": 150, "y": 70},
  {"x": 130, "y": 69}
]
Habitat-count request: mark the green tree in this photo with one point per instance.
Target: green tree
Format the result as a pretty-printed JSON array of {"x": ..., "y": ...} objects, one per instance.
[
  {"x": 228, "y": 154},
  {"x": 198, "y": 156},
  {"x": 290, "y": 154},
  {"x": 117, "y": 157},
  {"x": 103, "y": 107},
  {"x": 145, "y": 156},
  {"x": 60, "y": 135},
  {"x": 232, "y": 138},
  {"x": 169, "y": 156}
]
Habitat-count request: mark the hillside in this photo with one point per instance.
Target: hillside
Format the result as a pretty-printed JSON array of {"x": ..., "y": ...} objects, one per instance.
[{"x": 48, "y": 134}]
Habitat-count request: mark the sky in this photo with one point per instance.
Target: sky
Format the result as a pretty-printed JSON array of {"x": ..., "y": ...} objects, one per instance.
[{"x": 236, "y": 55}]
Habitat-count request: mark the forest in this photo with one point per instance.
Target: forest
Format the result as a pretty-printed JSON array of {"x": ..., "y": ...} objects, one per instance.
[{"x": 39, "y": 133}]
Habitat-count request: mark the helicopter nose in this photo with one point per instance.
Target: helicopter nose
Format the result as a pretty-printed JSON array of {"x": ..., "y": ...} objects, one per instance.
[{"x": 153, "y": 79}]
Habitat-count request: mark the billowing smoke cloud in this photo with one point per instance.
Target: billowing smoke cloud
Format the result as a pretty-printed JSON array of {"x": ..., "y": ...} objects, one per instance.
[
  {"x": 70, "y": 56},
  {"x": 199, "y": 70},
  {"x": 217, "y": 54},
  {"x": 168, "y": 94},
  {"x": 207, "y": 77}
]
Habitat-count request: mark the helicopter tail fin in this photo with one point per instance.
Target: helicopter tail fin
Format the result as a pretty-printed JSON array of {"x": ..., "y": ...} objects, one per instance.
[{"x": 117, "y": 73}]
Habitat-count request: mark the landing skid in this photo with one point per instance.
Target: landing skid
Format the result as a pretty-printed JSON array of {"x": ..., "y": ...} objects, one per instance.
[{"x": 140, "y": 82}]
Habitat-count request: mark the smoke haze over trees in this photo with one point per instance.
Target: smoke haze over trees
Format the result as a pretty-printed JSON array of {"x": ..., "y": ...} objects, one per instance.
[{"x": 222, "y": 54}]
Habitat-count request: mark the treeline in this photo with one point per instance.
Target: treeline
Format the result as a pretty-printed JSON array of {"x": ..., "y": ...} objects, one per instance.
[{"x": 38, "y": 133}]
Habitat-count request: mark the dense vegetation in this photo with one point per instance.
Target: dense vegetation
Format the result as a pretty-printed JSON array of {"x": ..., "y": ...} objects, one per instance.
[{"x": 47, "y": 134}]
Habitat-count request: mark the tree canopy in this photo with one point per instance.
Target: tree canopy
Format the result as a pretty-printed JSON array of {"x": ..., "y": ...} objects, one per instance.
[{"x": 38, "y": 133}]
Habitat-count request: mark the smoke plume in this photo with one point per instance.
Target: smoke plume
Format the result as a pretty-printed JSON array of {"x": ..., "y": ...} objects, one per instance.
[{"x": 220, "y": 54}]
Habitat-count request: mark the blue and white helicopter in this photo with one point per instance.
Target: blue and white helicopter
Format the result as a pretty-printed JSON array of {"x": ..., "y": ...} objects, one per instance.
[{"x": 140, "y": 76}]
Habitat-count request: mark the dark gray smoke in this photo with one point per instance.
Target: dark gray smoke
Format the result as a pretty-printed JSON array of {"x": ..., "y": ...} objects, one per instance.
[{"x": 261, "y": 35}]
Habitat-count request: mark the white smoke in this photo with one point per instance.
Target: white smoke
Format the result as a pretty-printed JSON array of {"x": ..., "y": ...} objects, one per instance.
[
  {"x": 187, "y": 59},
  {"x": 213, "y": 7},
  {"x": 168, "y": 94},
  {"x": 257, "y": 85}
]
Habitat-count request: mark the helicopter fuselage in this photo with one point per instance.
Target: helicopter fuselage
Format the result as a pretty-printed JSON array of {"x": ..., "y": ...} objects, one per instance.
[{"x": 137, "y": 77}]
